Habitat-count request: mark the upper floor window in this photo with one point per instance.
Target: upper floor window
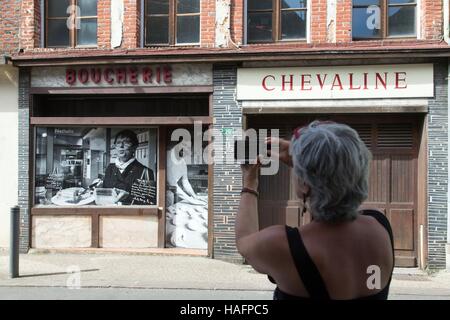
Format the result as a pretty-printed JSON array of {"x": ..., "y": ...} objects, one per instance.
[
  {"x": 70, "y": 23},
  {"x": 170, "y": 22},
  {"x": 375, "y": 19},
  {"x": 276, "y": 20}
]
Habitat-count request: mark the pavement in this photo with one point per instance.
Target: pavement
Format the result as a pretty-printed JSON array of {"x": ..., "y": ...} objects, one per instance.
[{"x": 131, "y": 276}]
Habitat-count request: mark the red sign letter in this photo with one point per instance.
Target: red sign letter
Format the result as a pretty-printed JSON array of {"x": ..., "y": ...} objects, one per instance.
[
  {"x": 264, "y": 83},
  {"x": 398, "y": 80},
  {"x": 107, "y": 75},
  {"x": 147, "y": 75},
  {"x": 133, "y": 76},
  {"x": 71, "y": 76},
  {"x": 83, "y": 76},
  {"x": 167, "y": 74},
  {"x": 306, "y": 82}
]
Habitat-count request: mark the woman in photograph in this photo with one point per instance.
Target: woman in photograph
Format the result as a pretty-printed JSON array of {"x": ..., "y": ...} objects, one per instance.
[
  {"x": 343, "y": 253},
  {"x": 126, "y": 169}
]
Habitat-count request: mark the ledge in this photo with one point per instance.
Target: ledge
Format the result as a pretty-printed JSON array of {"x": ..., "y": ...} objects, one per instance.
[{"x": 95, "y": 210}]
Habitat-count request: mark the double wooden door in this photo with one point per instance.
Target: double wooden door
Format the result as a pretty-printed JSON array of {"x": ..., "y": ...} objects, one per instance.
[{"x": 393, "y": 141}]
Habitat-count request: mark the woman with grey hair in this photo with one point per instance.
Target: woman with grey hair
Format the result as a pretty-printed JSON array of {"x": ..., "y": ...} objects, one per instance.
[{"x": 343, "y": 253}]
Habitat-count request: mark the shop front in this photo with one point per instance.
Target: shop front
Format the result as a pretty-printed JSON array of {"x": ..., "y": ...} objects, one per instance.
[
  {"x": 110, "y": 163},
  {"x": 391, "y": 106}
]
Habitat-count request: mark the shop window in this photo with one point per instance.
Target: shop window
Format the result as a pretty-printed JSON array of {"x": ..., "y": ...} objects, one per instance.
[
  {"x": 186, "y": 190},
  {"x": 171, "y": 22},
  {"x": 276, "y": 20},
  {"x": 95, "y": 166},
  {"x": 377, "y": 19},
  {"x": 70, "y": 23}
]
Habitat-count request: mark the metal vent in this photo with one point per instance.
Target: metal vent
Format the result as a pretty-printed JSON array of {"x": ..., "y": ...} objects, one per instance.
[
  {"x": 398, "y": 135},
  {"x": 365, "y": 133}
]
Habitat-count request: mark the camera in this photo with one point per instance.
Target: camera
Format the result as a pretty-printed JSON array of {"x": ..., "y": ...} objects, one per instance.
[{"x": 246, "y": 151}]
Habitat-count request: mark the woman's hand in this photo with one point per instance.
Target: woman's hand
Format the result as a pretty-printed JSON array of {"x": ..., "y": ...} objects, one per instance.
[
  {"x": 283, "y": 154},
  {"x": 250, "y": 175}
]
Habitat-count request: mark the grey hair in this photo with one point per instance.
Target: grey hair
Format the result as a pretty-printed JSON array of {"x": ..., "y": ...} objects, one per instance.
[{"x": 334, "y": 162}]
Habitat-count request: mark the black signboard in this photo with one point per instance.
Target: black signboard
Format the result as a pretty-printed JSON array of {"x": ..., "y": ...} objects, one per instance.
[{"x": 143, "y": 192}]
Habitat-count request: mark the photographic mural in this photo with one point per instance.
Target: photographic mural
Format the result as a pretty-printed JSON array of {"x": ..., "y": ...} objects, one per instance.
[{"x": 83, "y": 166}]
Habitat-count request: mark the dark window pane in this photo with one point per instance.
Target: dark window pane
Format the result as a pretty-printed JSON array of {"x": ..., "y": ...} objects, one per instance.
[
  {"x": 157, "y": 6},
  {"x": 402, "y": 21},
  {"x": 188, "y": 6},
  {"x": 259, "y": 27},
  {"x": 58, "y": 33},
  {"x": 401, "y": 1},
  {"x": 259, "y": 5},
  {"x": 188, "y": 29},
  {"x": 87, "y": 34},
  {"x": 158, "y": 30},
  {"x": 58, "y": 8},
  {"x": 293, "y": 25},
  {"x": 293, "y": 4},
  {"x": 364, "y": 24},
  {"x": 366, "y": 2},
  {"x": 87, "y": 7}
]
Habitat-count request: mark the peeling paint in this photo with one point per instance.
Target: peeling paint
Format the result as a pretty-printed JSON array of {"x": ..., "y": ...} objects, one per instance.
[
  {"x": 222, "y": 27},
  {"x": 331, "y": 21},
  {"x": 117, "y": 11}
]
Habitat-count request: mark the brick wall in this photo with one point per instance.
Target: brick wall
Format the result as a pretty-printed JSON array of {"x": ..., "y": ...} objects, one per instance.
[
  {"x": 438, "y": 169},
  {"x": 207, "y": 22},
  {"x": 432, "y": 20},
  {"x": 131, "y": 17},
  {"x": 318, "y": 23},
  {"x": 344, "y": 21},
  {"x": 237, "y": 21},
  {"x": 227, "y": 177},
  {"x": 9, "y": 26},
  {"x": 104, "y": 24}
]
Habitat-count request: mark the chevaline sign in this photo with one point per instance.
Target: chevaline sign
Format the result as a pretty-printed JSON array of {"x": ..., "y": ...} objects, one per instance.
[{"x": 341, "y": 82}]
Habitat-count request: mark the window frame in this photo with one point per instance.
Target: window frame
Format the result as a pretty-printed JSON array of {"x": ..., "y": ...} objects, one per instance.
[
  {"x": 72, "y": 33},
  {"x": 384, "y": 31},
  {"x": 172, "y": 28},
  {"x": 276, "y": 22}
]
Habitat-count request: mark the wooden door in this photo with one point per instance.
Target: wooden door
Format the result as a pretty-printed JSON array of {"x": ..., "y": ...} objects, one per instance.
[{"x": 393, "y": 141}]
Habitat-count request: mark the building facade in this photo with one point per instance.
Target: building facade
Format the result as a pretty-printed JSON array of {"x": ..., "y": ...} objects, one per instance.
[
  {"x": 9, "y": 88},
  {"x": 99, "y": 78}
]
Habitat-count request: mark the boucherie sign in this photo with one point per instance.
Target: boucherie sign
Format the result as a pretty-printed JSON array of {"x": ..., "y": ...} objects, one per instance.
[
  {"x": 130, "y": 75},
  {"x": 343, "y": 82},
  {"x": 122, "y": 76}
]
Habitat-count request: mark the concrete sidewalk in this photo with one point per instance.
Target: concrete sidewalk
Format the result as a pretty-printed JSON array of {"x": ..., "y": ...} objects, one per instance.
[{"x": 160, "y": 272}]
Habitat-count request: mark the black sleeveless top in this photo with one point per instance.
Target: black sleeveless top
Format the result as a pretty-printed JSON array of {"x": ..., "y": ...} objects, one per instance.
[{"x": 310, "y": 275}]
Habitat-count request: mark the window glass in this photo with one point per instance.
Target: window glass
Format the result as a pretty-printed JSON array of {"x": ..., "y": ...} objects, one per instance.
[
  {"x": 293, "y": 4},
  {"x": 259, "y": 26},
  {"x": 158, "y": 30},
  {"x": 188, "y": 29},
  {"x": 83, "y": 166},
  {"x": 402, "y": 21},
  {"x": 293, "y": 25},
  {"x": 364, "y": 25},
  {"x": 58, "y": 8},
  {"x": 188, "y": 6},
  {"x": 57, "y": 33},
  {"x": 87, "y": 34},
  {"x": 87, "y": 7},
  {"x": 259, "y": 4},
  {"x": 187, "y": 202},
  {"x": 158, "y": 7}
]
